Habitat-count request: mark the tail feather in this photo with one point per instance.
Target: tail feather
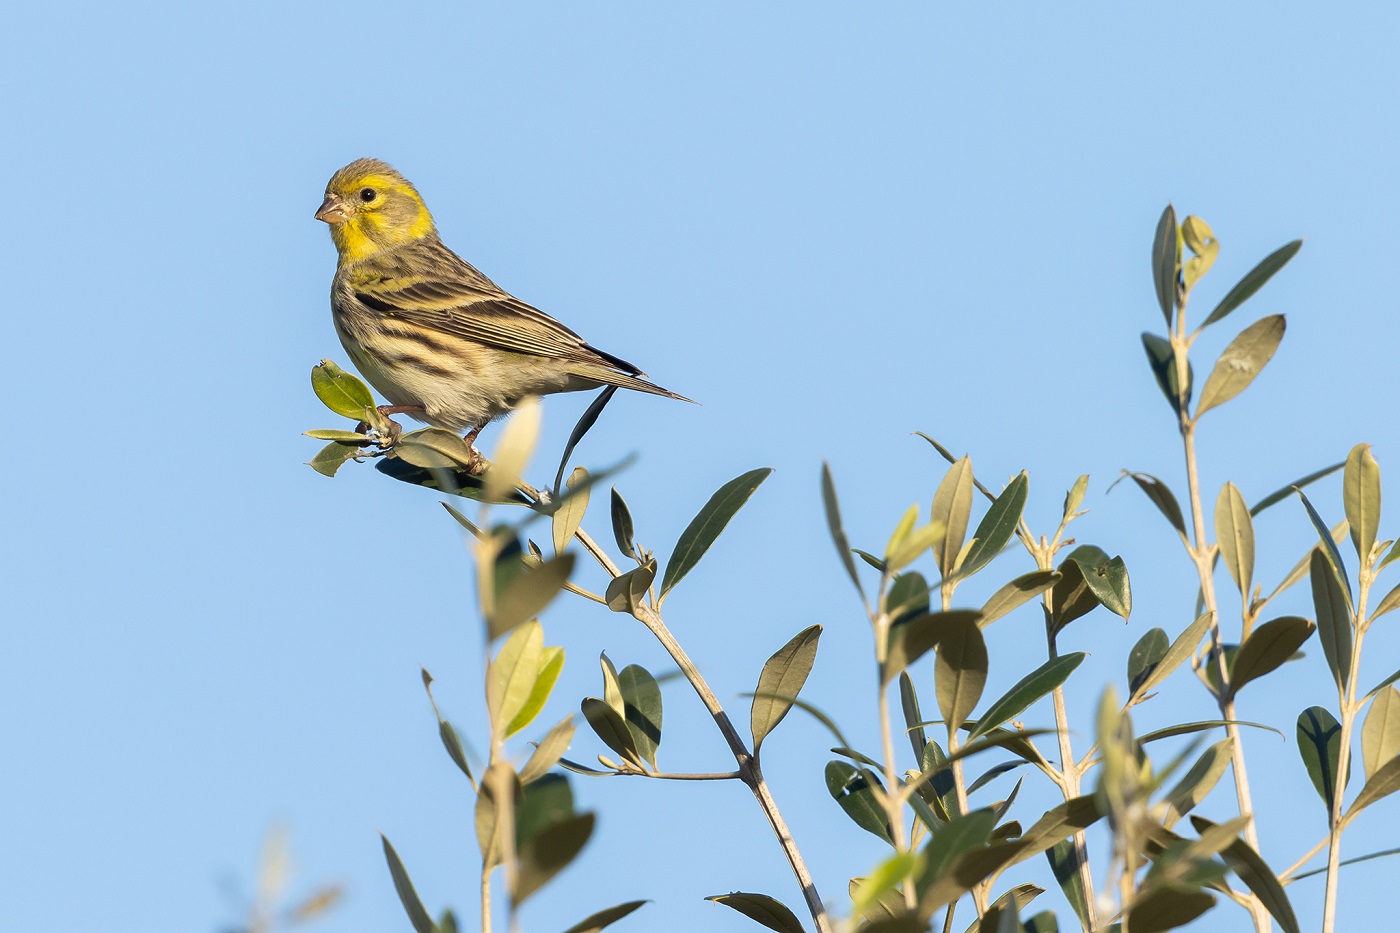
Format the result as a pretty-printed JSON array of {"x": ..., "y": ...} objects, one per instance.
[{"x": 627, "y": 381}]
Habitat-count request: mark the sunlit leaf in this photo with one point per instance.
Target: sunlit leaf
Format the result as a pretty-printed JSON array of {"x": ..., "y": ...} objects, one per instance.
[
  {"x": 641, "y": 697},
  {"x": 1253, "y": 281},
  {"x": 570, "y": 513},
  {"x": 997, "y": 526},
  {"x": 1361, "y": 496},
  {"x": 1333, "y": 618},
  {"x": 340, "y": 391},
  {"x": 547, "y": 754},
  {"x": 1017, "y": 593},
  {"x": 1234, "y": 533},
  {"x": 761, "y": 908},
  {"x": 1026, "y": 691},
  {"x": 1268, "y": 647},
  {"x": 512, "y": 675},
  {"x": 1166, "y": 261},
  {"x": 628, "y": 592},
  {"x": 604, "y": 918},
  {"x": 417, "y": 915},
  {"x": 1380, "y": 736},
  {"x": 1383, "y": 783},
  {"x": 707, "y": 525},
  {"x": 854, "y": 789},
  {"x": 1241, "y": 361},
  {"x": 780, "y": 681},
  {"x": 1147, "y": 655},
  {"x": 1198, "y": 782},
  {"x": 528, "y": 593}
]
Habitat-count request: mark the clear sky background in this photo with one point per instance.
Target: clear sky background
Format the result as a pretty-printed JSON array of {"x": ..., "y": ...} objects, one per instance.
[{"x": 833, "y": 225}]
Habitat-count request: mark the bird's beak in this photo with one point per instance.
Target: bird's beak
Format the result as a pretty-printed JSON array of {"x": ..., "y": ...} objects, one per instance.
[{"x": 332, "y": 211}]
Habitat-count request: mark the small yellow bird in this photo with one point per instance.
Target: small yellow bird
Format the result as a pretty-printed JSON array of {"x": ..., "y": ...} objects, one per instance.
[{"x": 437, "y": 338}]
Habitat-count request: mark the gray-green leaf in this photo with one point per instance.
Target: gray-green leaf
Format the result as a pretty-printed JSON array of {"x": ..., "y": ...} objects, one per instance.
[
  {"x": 780, "y": 681},
  {"x": 707, "y": 525},
  {"x": 1027, "y": 690},
  {"x": 1242, "y": 360},
  {"x": 761, "y": 908}
]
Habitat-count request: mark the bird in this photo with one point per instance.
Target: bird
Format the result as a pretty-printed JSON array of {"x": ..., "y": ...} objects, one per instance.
[{"x": 442, "y": 342}]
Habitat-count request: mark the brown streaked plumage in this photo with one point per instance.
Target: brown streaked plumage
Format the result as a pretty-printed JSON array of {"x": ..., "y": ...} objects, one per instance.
[{"x": 437, "y": 338}]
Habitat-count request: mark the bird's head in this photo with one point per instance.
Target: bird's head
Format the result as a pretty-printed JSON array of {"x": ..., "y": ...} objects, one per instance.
[{"x": 370, "y": 207}]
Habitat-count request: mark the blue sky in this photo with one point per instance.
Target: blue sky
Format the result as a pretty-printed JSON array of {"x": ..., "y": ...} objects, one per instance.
[{"x": 832, "y": 225}]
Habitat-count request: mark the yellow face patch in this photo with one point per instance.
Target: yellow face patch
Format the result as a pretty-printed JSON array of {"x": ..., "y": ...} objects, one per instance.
[{"x": 384, "y": 212}]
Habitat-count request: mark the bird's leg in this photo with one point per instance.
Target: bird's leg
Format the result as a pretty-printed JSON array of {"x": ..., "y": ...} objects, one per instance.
[{"x": 470, "y": 439}]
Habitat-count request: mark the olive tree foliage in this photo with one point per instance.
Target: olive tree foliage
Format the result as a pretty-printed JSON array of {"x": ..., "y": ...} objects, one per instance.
[{"x": 923, "y": 783}]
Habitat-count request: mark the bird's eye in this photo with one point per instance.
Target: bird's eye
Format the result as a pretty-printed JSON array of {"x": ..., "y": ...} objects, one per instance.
[{"x": 368, "y": 194}]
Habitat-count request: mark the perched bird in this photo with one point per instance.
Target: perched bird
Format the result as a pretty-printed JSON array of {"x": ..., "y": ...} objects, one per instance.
[{"x": 437, "y": 338}]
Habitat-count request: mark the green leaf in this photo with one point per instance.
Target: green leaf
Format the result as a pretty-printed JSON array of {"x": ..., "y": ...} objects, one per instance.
[
  {"x": 1027, "y": 690},
  {"x": 907, "y": 597},
  {"x": 854, "y": 789},
  {"x": 433, "y": 449},
  {"x": 332, "y": 457},
  {"x": 511, "y": 677},
  {"x": 1320, "y": 744},
  {"x": 1333, "y": 618},
  {"x": 960, "y": 671},
  {"x": 417, "y": 915},
  {"x": 547, "y": 754},
  {"x": 453, "y": 744},
  {"x": 500, "y": 777},
  {"x": 1198, "y": 782},
  {"x": 833, "y": 524},
  {"x": 514, "y": 447},
  {"x": 1380, "y": 736},
  {"x": 332, "y": 434},
  {"x": 1382, "y": 685},
  {"x": 1253, "y": 281},
  {"x": 1043, "y": 922},
  {"x": 622, "y": 524},
  {"x": 628, "y": 592},
  {"x": 1278, "y": 495},
  {"x": 780, "y": 681},
  {"x": 1234, "y": 532},
  {"x": 1017, "y": 593},
  {"x": 341, "y": 392},
  {"x": 1182, "y": 649},
  {"x": 583, "y": 426},
  {"x": 548, "y": 853},
  {"x": 551, "y": 663},
  {"x": 641, "y": 698},
  {"x": 997, "y": 526},
  {"x": 1361, "y": 496},
  {"x": 873, "y": 905},
  {"x": 1064, "y": 864},
  {"x": 1188, "y": 728},
  {"x": 1162, "y": 497},
  {"x": 1198, "y": 236},
  {"x": 1257, "y": 876},
  {"x": 1161, "y": 358},
  {"x": 1167, "y": 907},
  {"x": 528, "y": 593},
  {"x": 939, "y": 789},
  {"x": 1329, "y": 546},
  {"x": 708, "y": 524},
  {"x": 761, "y": 908},
  {"x": 604, "y": 918},
  {"x": 1389, "y": 603},
  {"x": 542, "y": 804},
  {"x": 1268, "y": 647},
  {"x": 883, "y": 881},
  {"x": 570, "y": 513},
  {"x": 952, "y": 508},
  {"x": 962, "y": 834},
  {"x": 909, "y": 705},
  {"x": 1383, "y": 783},
  {"x": 1090, "y": 578},
  {"x": 909, "y": 641},
  {"x": 611, "y": 728},
  {"x": 1146, "y": 656},
  {"x": 1166, "y": 261},
  {"x": 1242, "y": 360}
]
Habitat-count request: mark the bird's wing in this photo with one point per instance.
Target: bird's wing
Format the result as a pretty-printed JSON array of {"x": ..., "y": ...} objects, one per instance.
[{"x": 445, "y": 293}]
